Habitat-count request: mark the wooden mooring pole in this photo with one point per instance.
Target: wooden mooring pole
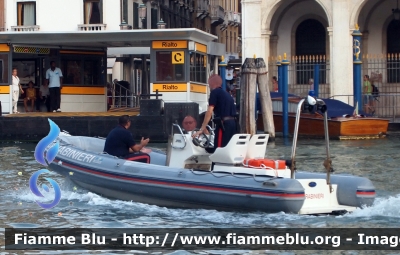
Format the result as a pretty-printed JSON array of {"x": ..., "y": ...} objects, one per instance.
[
  {"x": 254, "y": 72},
  {"x": 265, "y": 98}
]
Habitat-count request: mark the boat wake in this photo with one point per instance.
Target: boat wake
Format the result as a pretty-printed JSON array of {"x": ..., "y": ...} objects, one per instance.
[
  {"x": 382, "y": 207},
  {"x": 83, "y": 200}
]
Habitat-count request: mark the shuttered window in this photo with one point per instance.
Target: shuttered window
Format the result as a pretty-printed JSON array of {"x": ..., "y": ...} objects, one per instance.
[{"x": 393, "y": 50}]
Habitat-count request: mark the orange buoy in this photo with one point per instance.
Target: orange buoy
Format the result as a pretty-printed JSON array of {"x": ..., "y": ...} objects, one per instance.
[{"x": 265, "y": 163}]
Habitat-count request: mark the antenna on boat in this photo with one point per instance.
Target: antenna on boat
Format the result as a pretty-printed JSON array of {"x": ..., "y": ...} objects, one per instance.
[
  {"x": 328, "y": 161},
  {"x": 321, "y": 106}
]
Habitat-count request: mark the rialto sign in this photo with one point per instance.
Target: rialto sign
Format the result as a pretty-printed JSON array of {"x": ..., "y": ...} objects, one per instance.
[
  {"x": 176, "y": 87},
  {"x": 169, "y": 44}
]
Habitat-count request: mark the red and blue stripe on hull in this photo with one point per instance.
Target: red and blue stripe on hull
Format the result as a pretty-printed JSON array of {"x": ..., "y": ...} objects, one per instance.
[{"x": 186, "y": 184}]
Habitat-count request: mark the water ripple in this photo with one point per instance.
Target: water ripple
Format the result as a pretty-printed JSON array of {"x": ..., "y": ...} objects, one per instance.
[{"x": 374, "y": 159}]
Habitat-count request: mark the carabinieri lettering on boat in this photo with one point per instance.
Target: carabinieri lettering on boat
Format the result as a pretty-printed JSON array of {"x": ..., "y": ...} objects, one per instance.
[{"x": 77, "y": 155}]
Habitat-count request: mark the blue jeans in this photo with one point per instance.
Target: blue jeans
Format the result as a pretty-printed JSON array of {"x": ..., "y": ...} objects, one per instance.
[{"x": 367, "y": 99}]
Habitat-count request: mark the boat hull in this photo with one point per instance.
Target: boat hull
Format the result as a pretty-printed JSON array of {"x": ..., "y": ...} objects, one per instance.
[
  {"x": 338, "y": 128},
  {"x": 226, "y": 188},
  {"x": 183, "y": 188}
]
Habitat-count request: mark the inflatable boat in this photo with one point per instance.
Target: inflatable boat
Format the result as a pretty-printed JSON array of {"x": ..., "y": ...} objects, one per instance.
[{"x": 235, "y": 177}]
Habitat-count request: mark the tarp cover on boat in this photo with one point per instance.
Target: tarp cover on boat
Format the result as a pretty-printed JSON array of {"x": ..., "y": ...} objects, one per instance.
[{"x": 336, "y": 108}]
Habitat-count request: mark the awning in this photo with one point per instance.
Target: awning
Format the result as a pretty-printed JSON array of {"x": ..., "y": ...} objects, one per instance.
[
  {"x": 114, "y": 51},
  {"x": 104, "y": 39}
]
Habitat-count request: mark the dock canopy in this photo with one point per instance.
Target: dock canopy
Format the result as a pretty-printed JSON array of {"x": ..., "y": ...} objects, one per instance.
[{"x": 105, "y": 38}]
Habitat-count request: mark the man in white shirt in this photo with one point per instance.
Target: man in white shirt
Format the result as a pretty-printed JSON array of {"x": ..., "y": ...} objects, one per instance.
[
  {"x": 44, "y": 96},
  {"x": 16, "y": 89},
  {"x": 54, "y": 81}
]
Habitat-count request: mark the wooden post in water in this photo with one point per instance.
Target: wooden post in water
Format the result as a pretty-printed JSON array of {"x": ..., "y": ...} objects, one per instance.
[
  {"x": 255, "y": 71},
  {"x": 265, "y": 98},
  {"x": 247, "y": 120}
]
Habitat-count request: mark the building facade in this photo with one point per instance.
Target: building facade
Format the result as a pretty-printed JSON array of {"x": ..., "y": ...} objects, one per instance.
[
  {"x": 2, "y": 12},
  {"x": 320, "y": 31},
  {"x": 84, "y": 66},
  {"x": 218, "y": 17}
]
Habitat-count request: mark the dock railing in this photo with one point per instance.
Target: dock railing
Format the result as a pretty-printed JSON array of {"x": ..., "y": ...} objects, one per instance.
[
  {"x": 121, "y": 96},
  {"x": 302, "y": 74}
]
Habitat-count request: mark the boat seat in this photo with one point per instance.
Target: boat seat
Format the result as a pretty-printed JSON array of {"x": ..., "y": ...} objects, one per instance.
[
  {"x": 234, "y": 152},
  {"x": 257, "y": 146},
  {"x": 139, "y": 157}
]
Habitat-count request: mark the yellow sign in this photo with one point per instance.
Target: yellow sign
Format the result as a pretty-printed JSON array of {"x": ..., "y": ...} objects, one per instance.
[
  {"x": 201, "y": 47},
  {"x": 4, "y": 47},
  {"x": 178, "y": 57},
  {"x": 31, "y": 50},
  {"x": 196, "y": 88},
  {"x": 4, "y": 89},
  {"x": 67, "y": 90},
  {"x": 169, "y": 44},
  {"x": 170, "y": 87}
]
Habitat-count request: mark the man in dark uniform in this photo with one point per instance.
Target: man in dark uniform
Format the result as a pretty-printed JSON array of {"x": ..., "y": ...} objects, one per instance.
[
  {"x": 223, "y": 106},
  {"x": 120, "y": 143}
]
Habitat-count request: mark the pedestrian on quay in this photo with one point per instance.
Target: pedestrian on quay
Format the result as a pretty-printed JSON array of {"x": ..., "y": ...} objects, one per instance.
[{"x": 54, "y": 80}]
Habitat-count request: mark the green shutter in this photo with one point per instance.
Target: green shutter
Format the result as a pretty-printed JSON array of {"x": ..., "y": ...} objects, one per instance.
[
  {"x": 154, "y": 14},
  {"x": 125, "y": 11},
  {"x": 135, "y": 15}
]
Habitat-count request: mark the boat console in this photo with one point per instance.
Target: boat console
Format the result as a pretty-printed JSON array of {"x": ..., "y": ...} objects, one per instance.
[{"x": 187, "y": 152}]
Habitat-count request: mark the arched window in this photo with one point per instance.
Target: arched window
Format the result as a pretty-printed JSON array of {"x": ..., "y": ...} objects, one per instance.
[
  {"x": 393, "y": 50},
  {"x": 310, "y": 41}
]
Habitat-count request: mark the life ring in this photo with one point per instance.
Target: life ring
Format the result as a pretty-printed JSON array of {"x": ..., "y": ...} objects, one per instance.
[{"x": 265, "y": 163}]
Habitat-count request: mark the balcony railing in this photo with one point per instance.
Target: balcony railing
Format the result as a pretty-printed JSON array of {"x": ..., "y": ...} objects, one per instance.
[
  {"x": 217, "y": 12},
  {"x": 238, "y": 19},
  {"x": 202, "y": 8},
  {"x": 231, "y": 20},
  {"x": 91, "y": 27},
  {"x": 25, "y": 28},
  {"x": 224, "y": 24}
]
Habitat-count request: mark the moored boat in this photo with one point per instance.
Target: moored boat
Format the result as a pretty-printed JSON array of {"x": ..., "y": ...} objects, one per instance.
[
  {"x": 343, "y": 124},
  {"x": 235, "y": 177}
]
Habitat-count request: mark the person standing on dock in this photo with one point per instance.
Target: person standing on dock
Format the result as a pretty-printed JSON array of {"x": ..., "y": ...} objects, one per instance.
[
  {"x": 54, "y": 79},
  {"x": 223, "y": 106},
  {"x": 16, "y": 89},
  {"x": 275, "y": 84},
  {"x": 367, "y": 91},
  {"x": 311, "y": 82}
]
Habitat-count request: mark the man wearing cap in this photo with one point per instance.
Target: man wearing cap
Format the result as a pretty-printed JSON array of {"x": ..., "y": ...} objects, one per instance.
[{"x": 223, "y": 106}]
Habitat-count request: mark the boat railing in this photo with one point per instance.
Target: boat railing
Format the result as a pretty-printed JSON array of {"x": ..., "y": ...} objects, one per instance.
[
  {"x": 181, "y": 132},
  {"x": 321, "y": 106},
  {"x": 210, "y": 136}
]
